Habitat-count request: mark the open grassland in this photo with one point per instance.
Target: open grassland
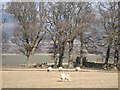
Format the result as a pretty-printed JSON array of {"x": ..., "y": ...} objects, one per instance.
[{"x": 43, "y": 79}]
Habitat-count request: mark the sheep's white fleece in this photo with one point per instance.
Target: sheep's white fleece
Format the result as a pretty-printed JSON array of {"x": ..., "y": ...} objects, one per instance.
[{"x": 65, "y": 77}]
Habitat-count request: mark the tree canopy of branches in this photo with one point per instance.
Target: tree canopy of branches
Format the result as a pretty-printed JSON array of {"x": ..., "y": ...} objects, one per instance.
[
  {"x": 66, "y": 21},
  {"x": 30, "y": 29},
  {"x": 109, "y": 13}
]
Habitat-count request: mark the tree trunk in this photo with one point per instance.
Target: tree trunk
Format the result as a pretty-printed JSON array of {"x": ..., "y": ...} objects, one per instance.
[
  {"x": 118, "y": 64},
  {"x": 69, "y": 53},
  {"x": 116, "y": 56},
  {"x": 55, "y": 55},
  {"x": 81, "y": 50},
  {"x": 61, "y": 54},
  {"x": 55, "y": 62},
  {"x": 119, "y": 26},
  {"x": 107, "y": 55},
  {"x": 29, "y": 61}
]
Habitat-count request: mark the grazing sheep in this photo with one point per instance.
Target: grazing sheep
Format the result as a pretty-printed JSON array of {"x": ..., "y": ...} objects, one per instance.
[
  {"x": 60, "y": 68},
  {"x": 34, "y": 65},
  {"x": 65, "y": 77},
  {"x": 49, "y": 69},
  {"x": 77, "y": 68}
]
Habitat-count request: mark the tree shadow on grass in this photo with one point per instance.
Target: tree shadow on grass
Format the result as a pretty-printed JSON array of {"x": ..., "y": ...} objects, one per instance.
[
  {"x": 59, "y": 81},
  {"x": 63, "y": 81}
]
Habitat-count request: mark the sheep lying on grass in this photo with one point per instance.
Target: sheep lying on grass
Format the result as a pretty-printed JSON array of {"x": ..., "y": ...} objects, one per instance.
[
  {"x": 34, "y": 65},
  {"x": 49, "y": 69},
  {"x": 77, "y": 68},
  {"x": 60, "y": 69},
  {"x": 65, "y": 77}
]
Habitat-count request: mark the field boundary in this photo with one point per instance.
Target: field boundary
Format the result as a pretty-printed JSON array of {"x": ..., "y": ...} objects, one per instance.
[{"x": 64, "y": 70}]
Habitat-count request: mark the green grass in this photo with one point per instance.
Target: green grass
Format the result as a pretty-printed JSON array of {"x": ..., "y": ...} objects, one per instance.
[{"x": 21, "y": 59}]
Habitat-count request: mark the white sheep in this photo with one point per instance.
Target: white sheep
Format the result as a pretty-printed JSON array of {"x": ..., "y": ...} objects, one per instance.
[
  {"x": 77, "y": 68},
  {"x": 64, "y": 77},
  {"x": 60, "y": 68},
  {"x": 34, "y": 65},
  {"x": 49, "y": 69}
]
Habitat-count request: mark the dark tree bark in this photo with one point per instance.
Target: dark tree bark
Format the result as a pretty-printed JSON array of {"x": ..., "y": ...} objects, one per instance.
[
  {"x": 69, "y": 52},
  {"x": 55, "y": 54},
  {"x": 118, "y": 63},
  {"x": 107, "y": 55},
  {"x": 116, "y": 55},
  {"x": 119, "y": 29},
  {"x": 81, "y": 49},
  {"x": 61, "y": 54}
]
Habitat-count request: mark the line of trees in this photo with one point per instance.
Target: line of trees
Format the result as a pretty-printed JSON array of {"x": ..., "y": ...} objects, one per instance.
[
  {"x": 109, "y": 13},
  {"x": 64, "y": 22}
]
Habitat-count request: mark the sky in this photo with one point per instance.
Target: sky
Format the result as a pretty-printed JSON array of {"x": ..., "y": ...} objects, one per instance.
[{"x": 5, "y": 0}]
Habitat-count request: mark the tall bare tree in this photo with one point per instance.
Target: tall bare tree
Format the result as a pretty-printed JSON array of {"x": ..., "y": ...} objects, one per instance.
[
  {"x": 85, "y": 15},
  {"x": 30, "y": 29},
  {"x": 63, "y": 29},
  {"x": 118, "y": 64},
  {"x": 109, "y": 13}
]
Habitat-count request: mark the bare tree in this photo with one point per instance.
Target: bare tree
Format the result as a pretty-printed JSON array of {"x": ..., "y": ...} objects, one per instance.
[
  {"x": 109, "y": 13},
  {"x": 85, "y": 15},
  {"x": 30, "y": 29},
  {"x": 118, "y": 64},
  {"x": 63, "y": 29}
]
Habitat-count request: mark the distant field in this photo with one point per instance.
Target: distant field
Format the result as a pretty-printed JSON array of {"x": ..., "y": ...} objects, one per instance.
[
  {"x": 21, "y": 59},
  {"x": 13, "y": 59}
]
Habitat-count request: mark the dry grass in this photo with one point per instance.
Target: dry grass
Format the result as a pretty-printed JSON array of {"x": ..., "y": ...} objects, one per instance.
[{"x": 43, "y": 79}]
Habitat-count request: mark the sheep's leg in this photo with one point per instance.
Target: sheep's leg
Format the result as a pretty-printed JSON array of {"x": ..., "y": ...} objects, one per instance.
[{"x": 68, "y": 79}]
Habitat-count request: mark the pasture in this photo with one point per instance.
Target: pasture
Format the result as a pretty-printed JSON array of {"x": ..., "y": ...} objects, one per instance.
[
  {"x": 13, "y": 59},
  {"x": 44, "y": 79},
  {"x": 21, "y": 59}
]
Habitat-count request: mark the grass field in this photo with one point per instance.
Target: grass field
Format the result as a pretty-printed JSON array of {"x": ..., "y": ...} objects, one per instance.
[
  {"x": 43, "y": 79},
  {"x": 21, "y": 59}
]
